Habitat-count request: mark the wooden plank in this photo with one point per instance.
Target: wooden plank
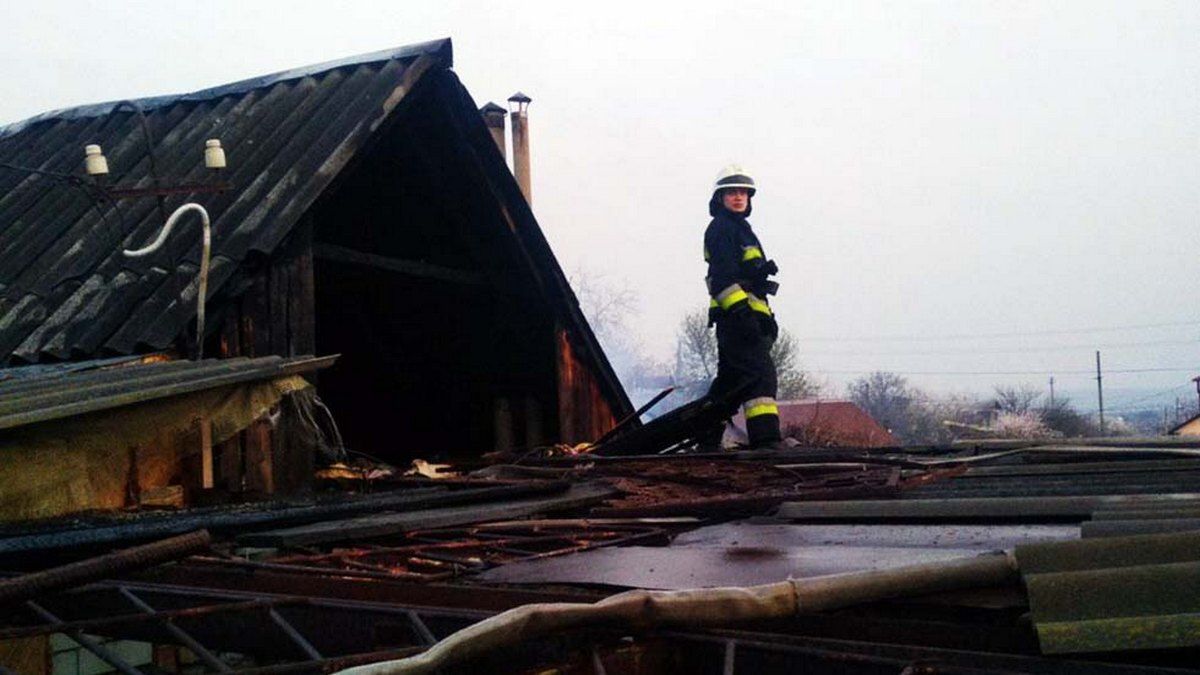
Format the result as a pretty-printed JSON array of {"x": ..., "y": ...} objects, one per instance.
[
  {"x": 293, "y": 453},
  {"x": 206, "y": 454},
  {"x": 577, "y": 496},
  {"x": 228, "y": 454},
  {"x": 303, "y": 308},
  {"x": 567, "y": 383},
  {"x": 230, "y": 337},
  {"x": 412, "y": 268},
  {"x": 260, "y": 477},
  {"x": 228, "y": 459},
  {"x": 278, "y": 298},
  {"x": 502, "y": 424},
  {"x": 534, "y": 426},
  {"x": 256, "y": 316}
]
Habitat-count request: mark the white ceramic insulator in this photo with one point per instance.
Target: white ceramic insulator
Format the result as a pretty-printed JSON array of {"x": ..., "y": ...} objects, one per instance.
[
  {"x": 94, "y": 161},
  {"x": 214, "y": 154}
]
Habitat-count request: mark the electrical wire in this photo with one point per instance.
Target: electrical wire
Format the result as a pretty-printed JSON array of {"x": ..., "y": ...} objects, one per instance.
[
  {"x": 1125, "y": 405},
  {"x": 1046, "y": 371},
  {"x": 981, "y": 336},
  {"x": 1059, "y": 348}
]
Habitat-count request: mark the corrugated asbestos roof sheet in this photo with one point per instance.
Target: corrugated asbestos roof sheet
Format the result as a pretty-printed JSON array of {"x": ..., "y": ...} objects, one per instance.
[
  {"x": 1140, "y": 592},
  {"x": 55, "y": 395},
  {"x": 1150, "y": 476},
  {"x": 66, "y": 292}
]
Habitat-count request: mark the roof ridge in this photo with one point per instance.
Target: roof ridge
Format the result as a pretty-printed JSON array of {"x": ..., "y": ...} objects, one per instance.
[{"x": 441, "y": 48}]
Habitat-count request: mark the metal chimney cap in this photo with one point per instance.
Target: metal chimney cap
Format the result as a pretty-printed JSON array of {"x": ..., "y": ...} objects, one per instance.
[
  {"x": 519, "y": 98},
  {"x": 492, "y": 109}
]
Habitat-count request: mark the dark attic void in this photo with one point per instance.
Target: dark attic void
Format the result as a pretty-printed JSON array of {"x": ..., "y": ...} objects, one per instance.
[{"x": 420, "y": 287}]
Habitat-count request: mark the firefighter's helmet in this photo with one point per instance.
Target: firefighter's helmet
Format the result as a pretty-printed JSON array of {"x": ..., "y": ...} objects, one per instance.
[{"x": 734, "y": 176}]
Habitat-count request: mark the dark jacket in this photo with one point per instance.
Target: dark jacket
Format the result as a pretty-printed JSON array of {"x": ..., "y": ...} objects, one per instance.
[{"x": 735, "y": 256}]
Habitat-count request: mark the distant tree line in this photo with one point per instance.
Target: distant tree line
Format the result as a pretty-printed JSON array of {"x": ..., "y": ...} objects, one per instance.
[
  {"x": 913, "y": 415},
  {"x": 916, "y": 417}
]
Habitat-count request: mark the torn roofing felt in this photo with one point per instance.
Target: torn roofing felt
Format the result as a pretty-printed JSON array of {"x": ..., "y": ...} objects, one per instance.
[{"x": 67, "y": 292}]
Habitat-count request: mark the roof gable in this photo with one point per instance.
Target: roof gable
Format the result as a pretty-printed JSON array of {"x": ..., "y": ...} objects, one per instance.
[{"x": 66, "y": 291}]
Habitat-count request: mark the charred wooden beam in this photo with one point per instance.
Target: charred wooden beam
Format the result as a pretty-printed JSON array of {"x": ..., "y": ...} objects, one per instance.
[
  {"x": 148, "y": 526},
  {"x": 413, "y": 268}
]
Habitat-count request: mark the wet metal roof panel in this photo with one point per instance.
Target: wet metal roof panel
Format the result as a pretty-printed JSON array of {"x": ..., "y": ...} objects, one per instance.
[{"x": 54, "y": 396}]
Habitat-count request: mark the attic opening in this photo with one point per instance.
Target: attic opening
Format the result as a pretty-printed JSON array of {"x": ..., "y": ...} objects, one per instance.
[{"x": 447, "y": 345}]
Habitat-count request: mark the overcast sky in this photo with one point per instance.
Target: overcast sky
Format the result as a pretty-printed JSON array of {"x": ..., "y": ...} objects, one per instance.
[{"x": 928, "y": 171}]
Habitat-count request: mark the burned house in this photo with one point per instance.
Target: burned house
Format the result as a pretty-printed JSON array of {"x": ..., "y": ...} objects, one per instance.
[
  {"x": 364, "y": 212},
  {"x": 366, "y": 216}
]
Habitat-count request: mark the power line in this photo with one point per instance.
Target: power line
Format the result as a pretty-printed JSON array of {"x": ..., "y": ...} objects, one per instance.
[
  {"x": 975, "y": 336},
  {"x": 943, "y": 352},
  {"x": 1158, "y": 394},
  {"x": 1046, "y": 371}
]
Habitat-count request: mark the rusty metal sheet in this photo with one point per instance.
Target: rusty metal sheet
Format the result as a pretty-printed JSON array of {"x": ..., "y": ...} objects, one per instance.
[
  {"x": 978, "y": 537},
  {"x": 676, "y": 567},
  {"x": 434, "y": 555},
  {"x": 687, "y": 486}
]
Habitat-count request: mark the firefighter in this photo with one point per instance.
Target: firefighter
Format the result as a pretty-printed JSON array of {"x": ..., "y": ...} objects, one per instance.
[{"x": 738, "y": 286}]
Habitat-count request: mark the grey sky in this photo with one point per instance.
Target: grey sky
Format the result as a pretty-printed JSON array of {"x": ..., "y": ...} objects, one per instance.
[{"x": 926, "y": 169}]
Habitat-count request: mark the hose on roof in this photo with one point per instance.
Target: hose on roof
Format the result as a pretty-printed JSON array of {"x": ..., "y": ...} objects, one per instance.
[
  {"x": 642, "y": 610},
  {"x": 206, "y": 249}
]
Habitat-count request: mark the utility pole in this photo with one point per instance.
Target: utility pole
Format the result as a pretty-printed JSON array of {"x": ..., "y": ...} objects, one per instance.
[
  {"x": 1100, "y": 391},
  {"x": 1052, "y": 391}
]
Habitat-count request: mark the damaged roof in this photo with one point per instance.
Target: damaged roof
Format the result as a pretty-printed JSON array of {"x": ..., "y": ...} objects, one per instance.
[
  {"x": 68, "y": 293},
  {"x": 66, "y": 290}
]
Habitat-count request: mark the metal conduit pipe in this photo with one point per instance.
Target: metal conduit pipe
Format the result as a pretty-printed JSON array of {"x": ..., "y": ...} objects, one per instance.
[
  {"x": 206, "y": 246},
  {"x": 711, "y": 607},
  {"x": 28, "y": 586}
]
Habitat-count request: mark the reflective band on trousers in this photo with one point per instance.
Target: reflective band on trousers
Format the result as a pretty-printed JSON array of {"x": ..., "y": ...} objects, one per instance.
[
  {"x": 759, "y": 305},
  {"x": 750, "y": 253},
  {"x": 732, "y": 295},
  {"x": 757, "y": 407}
]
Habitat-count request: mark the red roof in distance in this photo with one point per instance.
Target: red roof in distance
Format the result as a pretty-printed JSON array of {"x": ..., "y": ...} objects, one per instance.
[{"x": 823, "y": 423}]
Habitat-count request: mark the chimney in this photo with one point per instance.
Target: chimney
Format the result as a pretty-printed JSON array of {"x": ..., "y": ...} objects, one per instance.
[
  {"x": 519, "y": 106},
  {"x": 493, "y": 117}
]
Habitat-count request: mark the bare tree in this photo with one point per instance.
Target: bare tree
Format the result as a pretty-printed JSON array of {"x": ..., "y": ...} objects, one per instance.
[
  {"x": 1017, "y": 400},
  {"x": 887, "y": 398},
  {"x": 695, "y": 354},
  {"x": 612, "y": 311},
  {"x": 794, "y": 382},
  {"x": 1063, "y": 418},
  {"x": 607, "y": 304},
  {"x": 696, "y": 360},
  {"x": 913, "y": 415}
]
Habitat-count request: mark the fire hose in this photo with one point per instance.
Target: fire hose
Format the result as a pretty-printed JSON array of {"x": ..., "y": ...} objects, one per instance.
[{"x": 697, "y": 608}]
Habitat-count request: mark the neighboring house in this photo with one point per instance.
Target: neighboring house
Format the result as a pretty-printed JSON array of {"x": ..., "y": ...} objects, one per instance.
[
  {"x": 1188, "y": 428},
  {"x": 822, "y": 423},
  {"x": 370, "y": 215}
]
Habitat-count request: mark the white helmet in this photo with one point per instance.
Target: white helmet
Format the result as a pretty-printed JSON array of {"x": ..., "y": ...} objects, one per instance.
[{"x": 734, "y": 176}]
